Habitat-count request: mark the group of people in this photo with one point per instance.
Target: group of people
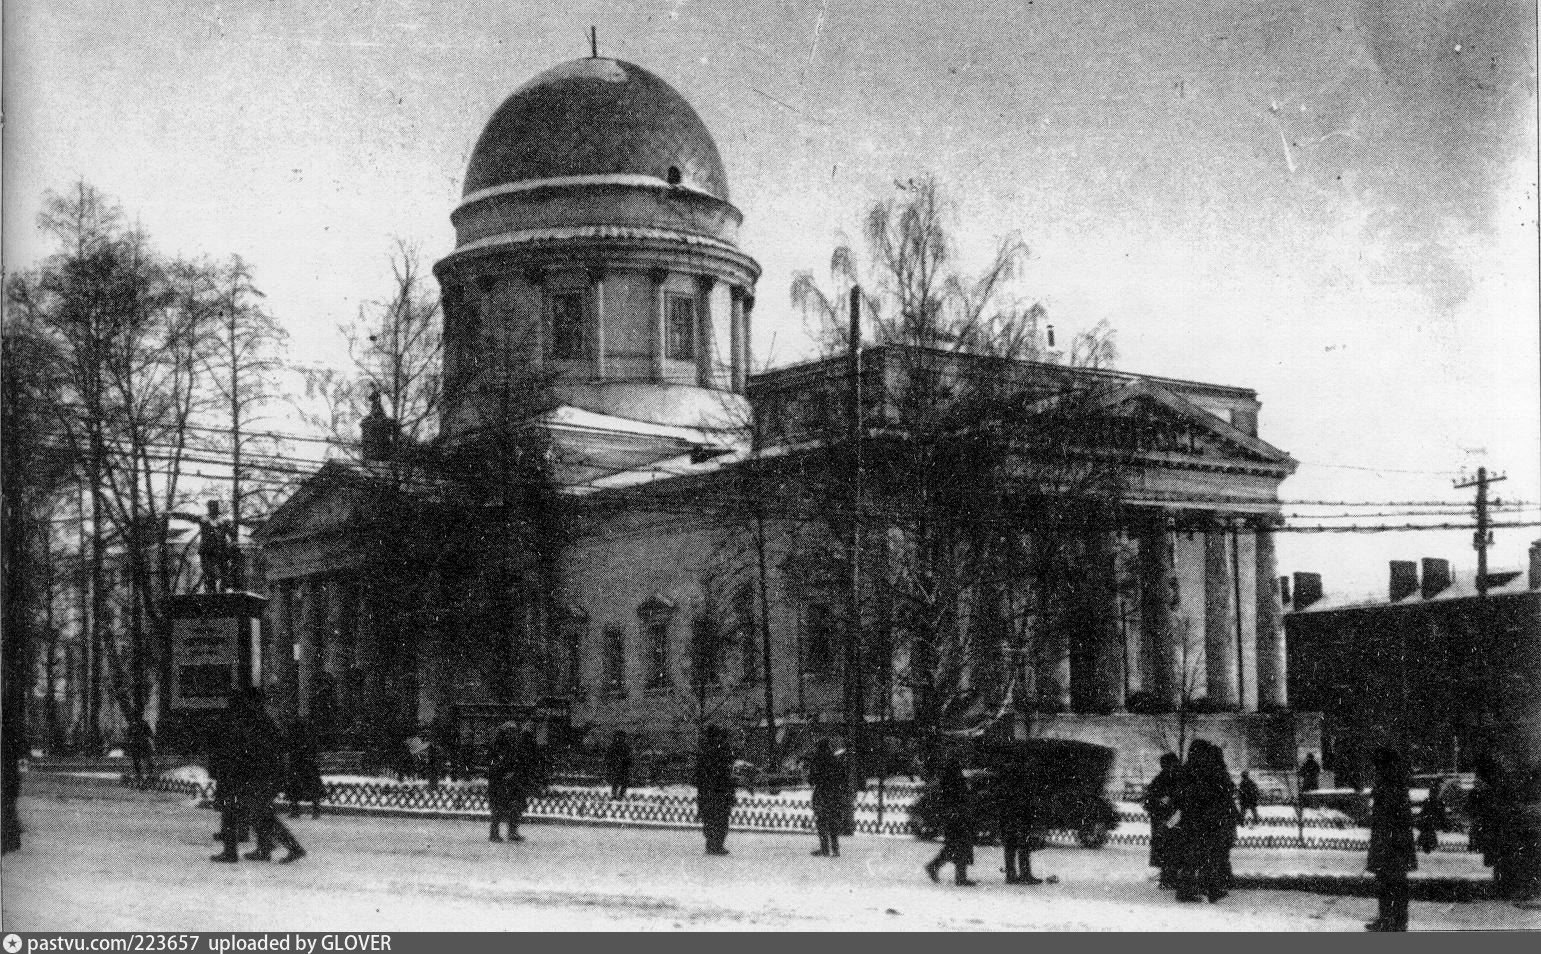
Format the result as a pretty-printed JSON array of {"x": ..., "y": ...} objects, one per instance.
[
  {"x": 1013, "y": 798},
  {"x": 1194, "y": 812},
  {"x": 248, "y": 764}
]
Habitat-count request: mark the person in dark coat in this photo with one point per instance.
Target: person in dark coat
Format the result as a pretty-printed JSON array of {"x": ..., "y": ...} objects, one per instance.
[
  {"x": 302, "y": 782},
  {"x": 1017, "y": 797},
  {"x": 827, "y": 777},
  {"x": 1247, "y": 798},
  {"x": 510, "y": 780},
  {"x": 714, "y": 788},
  {"x": 1206, "y": 802},
  {"x": 618, "y": 764},
  {"x": 141, "y": 748},
  {"x": 958, "y": 826},
  {"x": 253, "y": 770},
  {"x": 1160, "y": 805},
  {"x": 1432, "y": 818},
  {"x": 1310, "y": 773},
  {"x": 1392, "y": 854}
]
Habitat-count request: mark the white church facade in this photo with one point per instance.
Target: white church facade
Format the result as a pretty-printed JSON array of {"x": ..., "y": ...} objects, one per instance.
[{"x": 598, "y": 295}]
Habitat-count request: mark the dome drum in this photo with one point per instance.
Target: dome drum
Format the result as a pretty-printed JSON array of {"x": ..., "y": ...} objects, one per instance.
[{"x": 593, "y": 203}]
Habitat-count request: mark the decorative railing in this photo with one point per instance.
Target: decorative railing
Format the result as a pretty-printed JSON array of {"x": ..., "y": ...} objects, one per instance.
[{"x": 755, "y": 811}]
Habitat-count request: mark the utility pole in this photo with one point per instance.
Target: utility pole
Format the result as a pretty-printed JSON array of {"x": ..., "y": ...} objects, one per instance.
[
  {"x": 855, "y": 717},
  {"x": 1480, "y": 541},
  {"x": 1511, "y": 716}
]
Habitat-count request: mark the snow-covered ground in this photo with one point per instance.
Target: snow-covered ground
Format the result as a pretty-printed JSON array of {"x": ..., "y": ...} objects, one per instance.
[{"x": 115, "y": 859}]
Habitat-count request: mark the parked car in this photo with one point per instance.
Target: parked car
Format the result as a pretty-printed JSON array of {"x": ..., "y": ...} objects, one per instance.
[{"x": 1071, "y": 778}]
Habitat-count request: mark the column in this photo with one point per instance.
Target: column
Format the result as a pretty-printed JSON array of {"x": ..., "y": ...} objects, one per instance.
[
  {"x": 740, "y": 349},
  {"x": 1159, "y": 658},
  {"x": 1107, "y": 650},
  {"x": 1126, "y": 575},
  {"x": 1219, "y": 620},
  {"x": 705, "y": 340},
  {"x": 335, "y": 650},
  {"x": 284, "y": 647},
  {"x": 1269, "y": 634},
  {"x": 305, "y": 657},
  {"x": 1244, "y": 581},
  {"x": 597, "y": 297},
  {"x": 1189, "y": 560},
  {"x": 660, "y": 315}
]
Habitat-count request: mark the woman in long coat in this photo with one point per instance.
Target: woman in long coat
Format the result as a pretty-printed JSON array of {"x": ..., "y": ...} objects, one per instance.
[
  {"x": 506, "y": 762},
  {"x": 958, "y": 826},
  {"x": 827, "y": 778},
  {"x": 1160, "y": 805},
  {"x": 1207, "y": 824},
  {"x": 714, "y": 788},
  {"x": 302, "y": 779},
  {"x": 1392, "y": 853}
]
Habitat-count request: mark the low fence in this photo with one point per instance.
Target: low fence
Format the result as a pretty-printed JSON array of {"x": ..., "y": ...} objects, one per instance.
[{"x": 786, "y": 812}]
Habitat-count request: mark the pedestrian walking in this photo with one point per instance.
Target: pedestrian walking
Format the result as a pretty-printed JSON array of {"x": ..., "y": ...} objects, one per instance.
[
  {"x": 254, "y": 771},
  {"x": 1018, "y": 796},
  {"x": 1392, "y": 854},
  {"x": 1161, "y": 807},
  {"x": 1432, "y": 817},
  {"x": 1207, "y": 820},
  {"x": 827, "y": 777},
  {"x": 714, "y": 788},
  {"x": 302, "y": 780},
  {"x": 1247, "y": 797},
  {"x": 140, "y": 742},
  {"x": 618, "y": 764},
  {"x": 958, "y": 826},
  {"x": 1310, "y": 773}
]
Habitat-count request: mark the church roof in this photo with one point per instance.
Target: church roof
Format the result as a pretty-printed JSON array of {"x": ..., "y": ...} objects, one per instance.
[{"x": 593, "y": 119}]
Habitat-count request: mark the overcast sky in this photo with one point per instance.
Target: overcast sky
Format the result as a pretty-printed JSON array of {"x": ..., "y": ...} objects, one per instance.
[{"x": 1331, "y": 202}]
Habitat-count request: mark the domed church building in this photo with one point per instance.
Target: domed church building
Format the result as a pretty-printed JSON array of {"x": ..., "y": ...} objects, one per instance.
[{"x": 580, "y": 537}]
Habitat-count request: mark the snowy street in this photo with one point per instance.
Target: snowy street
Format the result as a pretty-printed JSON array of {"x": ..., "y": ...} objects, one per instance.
[{"x": 111, "y": 859}]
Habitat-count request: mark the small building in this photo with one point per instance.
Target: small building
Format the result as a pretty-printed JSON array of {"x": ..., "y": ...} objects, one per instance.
[{"x": 1429, "y": 665}]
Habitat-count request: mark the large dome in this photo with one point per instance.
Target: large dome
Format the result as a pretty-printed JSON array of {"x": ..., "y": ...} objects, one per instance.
[{"x": 596, "y": 117}]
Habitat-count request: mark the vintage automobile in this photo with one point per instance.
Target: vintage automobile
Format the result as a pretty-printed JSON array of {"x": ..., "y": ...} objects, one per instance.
[{"x": 1070, "y": 780}]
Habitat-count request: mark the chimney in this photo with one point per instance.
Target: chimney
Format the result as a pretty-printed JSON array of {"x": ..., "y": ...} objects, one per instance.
[
  {"x": 1535, "y": 565},
  {"x": 379, "y": 432},
  {"x": 1436, "y": 576},
  {"x": 1284, "y": 590},
  {"x": 1404, "y": 579},
  {"x": 1308, "y": 589}
]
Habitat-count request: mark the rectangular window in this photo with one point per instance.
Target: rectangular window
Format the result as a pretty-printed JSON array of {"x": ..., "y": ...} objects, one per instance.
[
  {"x": 658, "y": 655},
  {"x": 748, "y": 634},
  {"x": 680, "y": 340},
  {"x": 615, "y": 661},
  {"x": 706, "y": 651},
  {"x": 819, "y": 641},
  {"x": 567, "y": 325}
]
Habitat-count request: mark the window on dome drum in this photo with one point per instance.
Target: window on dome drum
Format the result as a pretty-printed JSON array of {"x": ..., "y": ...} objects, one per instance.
[
  {"x": 680, "y": 342},
  {"x": 567, "y": 323},
  {"x": 657, "y": 654},
  {"x": 615, "y": 661},
  {"x": 819, "y": 641}
]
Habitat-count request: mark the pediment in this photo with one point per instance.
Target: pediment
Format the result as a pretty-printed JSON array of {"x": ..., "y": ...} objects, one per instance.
[
  {"x": 1175, "y": 430},
  {"x": 325, "y": 502}
]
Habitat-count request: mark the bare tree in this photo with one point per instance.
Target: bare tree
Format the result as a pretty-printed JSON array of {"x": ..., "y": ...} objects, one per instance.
[
  {"x": 132, "y": 330},
  {"x": 988, "y": 468}
]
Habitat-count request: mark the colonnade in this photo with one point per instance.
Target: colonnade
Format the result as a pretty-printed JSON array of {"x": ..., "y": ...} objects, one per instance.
[{"x": 1177, "y": 610}]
